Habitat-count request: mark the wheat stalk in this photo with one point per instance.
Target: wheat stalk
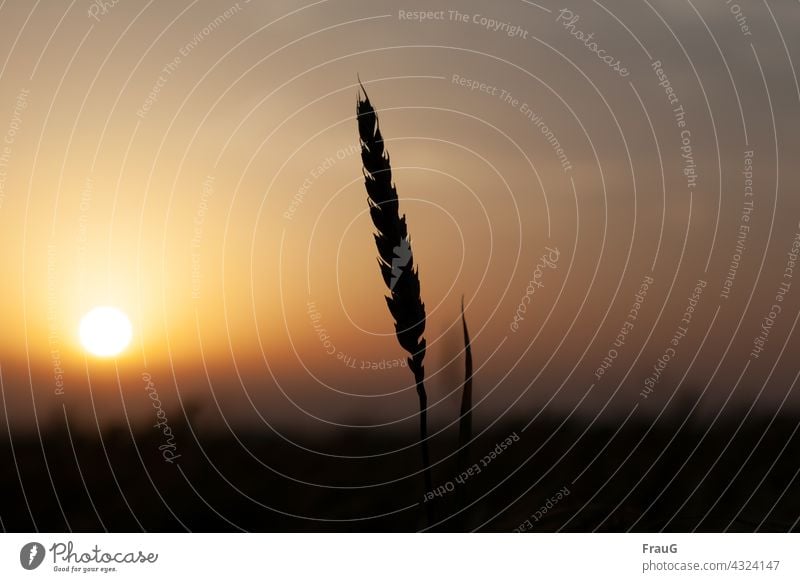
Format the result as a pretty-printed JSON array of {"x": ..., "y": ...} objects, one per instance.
[{"x": 396, "y": 261}]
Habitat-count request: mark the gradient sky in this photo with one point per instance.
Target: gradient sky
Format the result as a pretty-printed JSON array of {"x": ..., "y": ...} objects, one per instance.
[{"x": 196, "y": 165}]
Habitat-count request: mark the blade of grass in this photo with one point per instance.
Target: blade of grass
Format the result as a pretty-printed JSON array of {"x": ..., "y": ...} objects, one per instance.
[{"x": 465, "y": 423}]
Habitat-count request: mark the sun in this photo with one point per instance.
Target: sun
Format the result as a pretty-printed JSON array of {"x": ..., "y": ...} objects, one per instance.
[{"x": 105, "y": 331}]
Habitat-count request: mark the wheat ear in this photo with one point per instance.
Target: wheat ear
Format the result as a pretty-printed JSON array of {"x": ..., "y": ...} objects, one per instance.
[{"x": 396, "y": 260}]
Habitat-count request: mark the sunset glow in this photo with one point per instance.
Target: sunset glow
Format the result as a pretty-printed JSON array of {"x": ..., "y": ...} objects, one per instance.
[{"x": 105, "y": 331}]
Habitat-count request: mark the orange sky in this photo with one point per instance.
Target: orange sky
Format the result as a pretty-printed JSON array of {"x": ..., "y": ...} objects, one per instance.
[{"x": 194, "y": 164}]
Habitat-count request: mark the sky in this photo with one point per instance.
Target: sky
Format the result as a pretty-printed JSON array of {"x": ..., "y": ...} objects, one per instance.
[{"x": 196, "y": 164}]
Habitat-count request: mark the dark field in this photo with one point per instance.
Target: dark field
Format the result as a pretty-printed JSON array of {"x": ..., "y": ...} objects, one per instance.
[{"x": 640, "y": 477}]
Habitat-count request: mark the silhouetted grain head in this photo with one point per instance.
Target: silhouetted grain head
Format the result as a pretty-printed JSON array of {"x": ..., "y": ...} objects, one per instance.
[
  {"x": 395, "y": 257},
  {"x": 396, "y": 262}
]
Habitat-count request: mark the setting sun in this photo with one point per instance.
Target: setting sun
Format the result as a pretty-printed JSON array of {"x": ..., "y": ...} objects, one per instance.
[{"x": 105, "y": 331}]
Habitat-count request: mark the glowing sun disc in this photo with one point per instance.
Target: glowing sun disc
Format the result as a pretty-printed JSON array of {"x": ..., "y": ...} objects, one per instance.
[{"x": 105, "y": 331}]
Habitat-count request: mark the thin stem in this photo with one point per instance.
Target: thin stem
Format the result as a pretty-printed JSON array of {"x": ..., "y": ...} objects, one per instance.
[{"x": 419, "y": 377}]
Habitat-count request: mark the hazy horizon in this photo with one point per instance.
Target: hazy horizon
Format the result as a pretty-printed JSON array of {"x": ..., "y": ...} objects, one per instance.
[{"x": 196, "y": 165}]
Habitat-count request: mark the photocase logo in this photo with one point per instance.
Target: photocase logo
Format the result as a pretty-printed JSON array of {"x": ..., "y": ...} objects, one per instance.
[
  {"x": 31, "y": 555},
  {"x": 402, "y": 254}
]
